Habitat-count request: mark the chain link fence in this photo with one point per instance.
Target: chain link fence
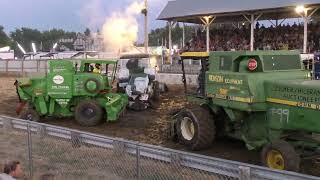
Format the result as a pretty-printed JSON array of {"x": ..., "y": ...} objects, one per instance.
[{"x": 51, "y": 151}]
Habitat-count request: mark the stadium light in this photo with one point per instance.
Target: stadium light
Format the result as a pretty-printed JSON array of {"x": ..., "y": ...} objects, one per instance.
[
  {"x": 34, "y": 47},
  {"x": 55, "y": 45},
  {"x": 207, "y": 19},
  {"x": 300, "y": 9},
  {"x": 21, "y": 48}
]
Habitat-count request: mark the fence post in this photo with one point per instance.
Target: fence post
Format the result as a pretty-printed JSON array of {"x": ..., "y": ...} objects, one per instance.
[
  {"x": 46, "y": 66},
  {"x": 29, "y": 143},
  {"x": 138, "y": 163},
  {"x": 7, "y": 67},
  {"x": 38, "y": 64},
  {"x": 244, "y": 173},
  {"x": 22, "y": 66}
]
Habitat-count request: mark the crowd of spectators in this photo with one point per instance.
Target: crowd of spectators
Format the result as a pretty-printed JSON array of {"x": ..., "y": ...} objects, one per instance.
[{"x": 282, "y": 37}]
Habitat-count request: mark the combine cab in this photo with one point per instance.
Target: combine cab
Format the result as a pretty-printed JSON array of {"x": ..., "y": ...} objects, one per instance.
[
  {"x": 68, "y": 90},
  {"x": 263, "y": 98},
  {"x": 137, "y": 78}
]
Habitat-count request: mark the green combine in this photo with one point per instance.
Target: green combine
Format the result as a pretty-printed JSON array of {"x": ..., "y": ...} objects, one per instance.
[
  {"x": 68, "y": 90},
  {"x": 263, "y": 98}
]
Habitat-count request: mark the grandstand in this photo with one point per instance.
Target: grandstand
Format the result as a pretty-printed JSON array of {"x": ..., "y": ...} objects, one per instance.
[
  {"x": 206, "y": 12},
  {"x": 275, "y": 37}
]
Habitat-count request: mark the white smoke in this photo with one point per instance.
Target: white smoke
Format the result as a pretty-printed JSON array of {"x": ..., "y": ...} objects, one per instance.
[{"x": 120, "y": 30}]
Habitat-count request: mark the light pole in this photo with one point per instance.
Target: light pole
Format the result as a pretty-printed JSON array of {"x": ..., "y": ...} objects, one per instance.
[
  {"x": 146, "y": 36},
  {"x": 303, "y": 12}
]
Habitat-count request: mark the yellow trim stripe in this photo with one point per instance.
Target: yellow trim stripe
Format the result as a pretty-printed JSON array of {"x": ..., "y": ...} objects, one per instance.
[
  {"x": 241, "y": 99},
  {"x": 294, "y": 103},
  {"x": 195, "y": 54},
  {"x": 232, "y": 98}
]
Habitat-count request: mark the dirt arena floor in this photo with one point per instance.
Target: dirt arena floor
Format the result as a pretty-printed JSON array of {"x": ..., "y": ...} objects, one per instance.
[{"x": 148, "y": 126}]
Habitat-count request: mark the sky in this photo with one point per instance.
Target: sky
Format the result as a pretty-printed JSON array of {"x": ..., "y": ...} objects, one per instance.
[{"x": 70, "y": 15}]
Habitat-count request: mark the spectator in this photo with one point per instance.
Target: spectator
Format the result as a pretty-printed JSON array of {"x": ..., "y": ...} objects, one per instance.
[
  {"x": 11, "y": 171},
  {"x": 281, "y": 37}
]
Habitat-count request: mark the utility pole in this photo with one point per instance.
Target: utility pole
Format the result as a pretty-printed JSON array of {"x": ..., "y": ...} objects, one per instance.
[{"x": 146, "y": 35}]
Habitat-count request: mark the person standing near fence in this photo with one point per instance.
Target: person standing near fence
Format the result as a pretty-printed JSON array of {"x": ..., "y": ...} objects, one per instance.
[{"x": 11, "y": 171}]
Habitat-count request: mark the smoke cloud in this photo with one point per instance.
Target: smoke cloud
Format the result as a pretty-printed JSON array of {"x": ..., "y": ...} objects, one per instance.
[{"x": 120, "y": 30}]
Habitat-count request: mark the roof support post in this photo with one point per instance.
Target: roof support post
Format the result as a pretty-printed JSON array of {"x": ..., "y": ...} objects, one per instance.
[
  {"x": 252, "y": 20},
  {"x": 183, "y": 35},
  {"x": 208, "y": 38},
  {"x": 170, "y": 25},
  {"x": 252, "y": 33},
  {"x": 306, "y": 19},
  {"x": 207, "y": 21},
  {"x": 305, "y": 34}
]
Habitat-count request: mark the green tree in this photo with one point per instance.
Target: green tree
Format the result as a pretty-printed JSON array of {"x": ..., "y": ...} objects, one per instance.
[
  {"x": 161, "y": 35},
  {"x": 4, "y": 39},
  {"x": 87, "y": 32},
  {"x": 25, "y": 36}
]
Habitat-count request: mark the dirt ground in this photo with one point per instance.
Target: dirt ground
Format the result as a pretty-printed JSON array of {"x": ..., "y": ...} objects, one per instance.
[{"x": 148, "y": 126}]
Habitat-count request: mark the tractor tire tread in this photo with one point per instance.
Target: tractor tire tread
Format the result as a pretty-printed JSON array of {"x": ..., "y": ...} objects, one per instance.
[
  {"x": 291, "y": 157},
  {"x": 206, "y": 129}
]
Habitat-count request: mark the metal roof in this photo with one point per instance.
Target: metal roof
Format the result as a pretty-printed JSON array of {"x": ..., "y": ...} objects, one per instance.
[{"x": 232, "y": 10}]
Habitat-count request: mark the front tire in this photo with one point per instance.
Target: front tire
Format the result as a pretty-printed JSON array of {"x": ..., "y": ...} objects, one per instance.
[
  {"x": 280, "y": 155},
  {"x": 30, "y": 115},
  {"x": 156, "y": 91},
  {"x": 195, "y": 128},
  {"x": 89, "y": 113}
]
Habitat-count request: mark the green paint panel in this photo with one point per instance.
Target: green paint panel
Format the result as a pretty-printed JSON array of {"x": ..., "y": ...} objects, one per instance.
[
  {"x": 59, "y": 92},
  {"x": 277, "y": 99}
]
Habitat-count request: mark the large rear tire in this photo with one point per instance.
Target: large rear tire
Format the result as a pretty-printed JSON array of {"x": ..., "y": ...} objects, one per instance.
[
  {"x": 280, "y": 155},
  {"x": 89, "y": 113},
  {"x": 30, "y": 115},
  {"x": 195, "y": 128}
]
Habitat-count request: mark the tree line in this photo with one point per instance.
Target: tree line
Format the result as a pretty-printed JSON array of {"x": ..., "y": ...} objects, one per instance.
[
  {"x": 45, "y": 40},
  {"x": 160, "y": 36}
]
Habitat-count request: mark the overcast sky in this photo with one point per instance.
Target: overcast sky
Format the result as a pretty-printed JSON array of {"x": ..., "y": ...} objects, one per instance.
[{"x": 72, "y": 15}]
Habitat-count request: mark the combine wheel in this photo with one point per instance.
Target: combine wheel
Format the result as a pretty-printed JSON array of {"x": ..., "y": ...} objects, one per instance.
[
  {"x": 280, "y": 155},
  {"x": 30, "y": 115},
  {"x": 156, "y": 91},
  {"x": 89, "y": 113},
  {"x": 195, "y": 128}
]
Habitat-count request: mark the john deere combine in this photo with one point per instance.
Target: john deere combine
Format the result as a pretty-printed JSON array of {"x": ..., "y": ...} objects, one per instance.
[
  {"x": 262, "y": 98},
  {"x": 68, "y": 90}
]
